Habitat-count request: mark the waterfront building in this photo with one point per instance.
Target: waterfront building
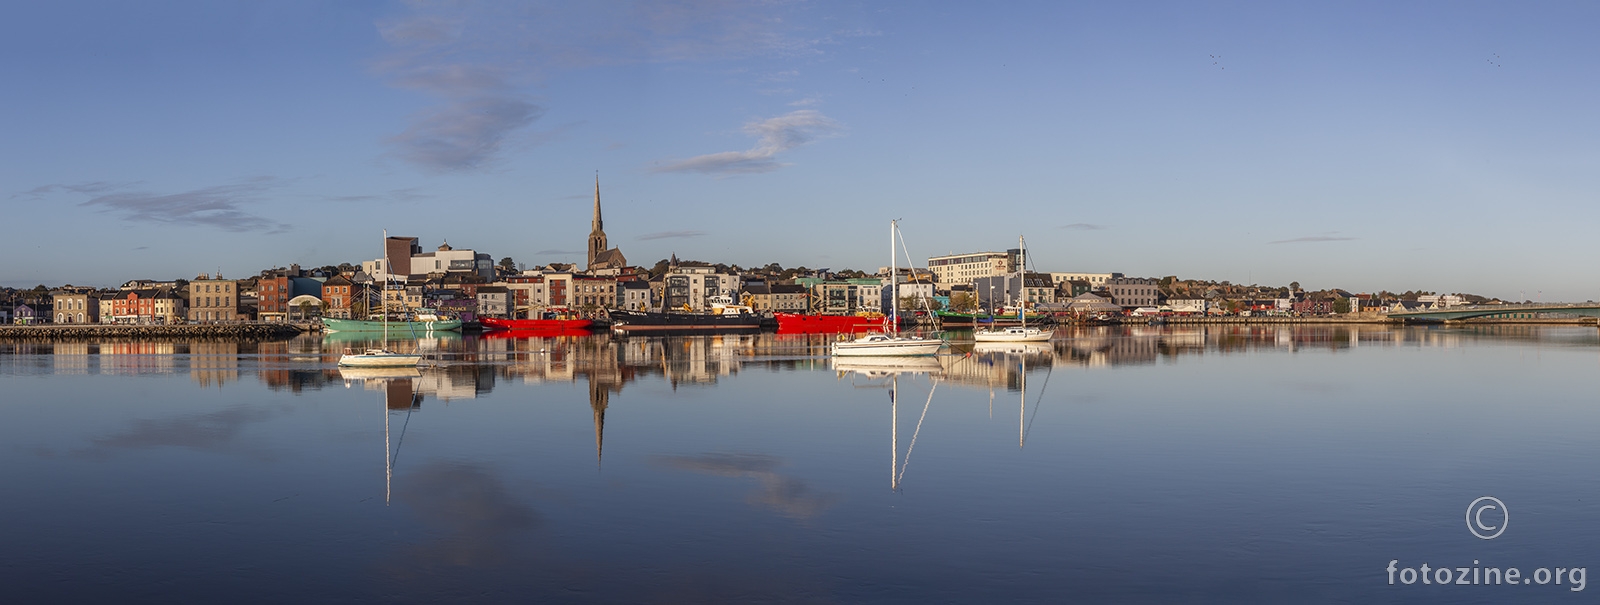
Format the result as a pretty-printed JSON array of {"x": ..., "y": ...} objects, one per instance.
[
  {"x": 1129, "y": 292},
  {"x": 964, "y": 268},
  {"x": 75, "y": 306},
  {"x": 339, "y": 294},
  {"x": 213, "y": 299},
  {"x": 594, "y": 291},
  {"x": 495, "y": 300},
  {"x": 146, "y": 307},
  {"x": 1095, "y": 280},
  {"x": 1191, "y": 306},
  {"x": 447, "y": 260},
  {"x": 26, "y": 314},
  {"x": 789, "y": 298},
  {"x": 757, "y": 296},
  {"x": 689, "y": 287},
  {"x": 636, "y": 295}
]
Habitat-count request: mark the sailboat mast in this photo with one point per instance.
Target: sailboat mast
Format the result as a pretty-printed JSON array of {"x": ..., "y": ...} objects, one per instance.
[
  {"x": 384, "y": 294},
  {"x": 1022, "y": 288},
  {"x": 1022, "y": 403},
  {"x": 894, "y": 283}
]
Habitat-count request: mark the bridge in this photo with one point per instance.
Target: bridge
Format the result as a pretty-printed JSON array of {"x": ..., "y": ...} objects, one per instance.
[{"x": 1520, "y": 311}]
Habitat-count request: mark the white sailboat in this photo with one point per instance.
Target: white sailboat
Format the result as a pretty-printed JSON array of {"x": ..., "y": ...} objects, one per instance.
[
  {"x": 890, "y": 342},
  {"x": 1021, "y": 333},
  {"x": 381, "y": 357}
]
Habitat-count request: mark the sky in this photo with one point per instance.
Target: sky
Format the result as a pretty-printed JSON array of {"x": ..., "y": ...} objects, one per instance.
[{"x": 1443, "y": 146}]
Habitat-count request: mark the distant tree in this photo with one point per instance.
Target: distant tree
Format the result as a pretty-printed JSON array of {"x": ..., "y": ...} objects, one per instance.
[
  {"x": 508, "y": 264},
  {"x": 1294, "y": 285},
  {"x": 963, "y": 302},
  {"x": 1341, "y": 305}
]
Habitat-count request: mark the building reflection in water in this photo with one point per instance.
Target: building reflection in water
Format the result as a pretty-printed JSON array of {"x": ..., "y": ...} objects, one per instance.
[{"x": 213, "y": 363}]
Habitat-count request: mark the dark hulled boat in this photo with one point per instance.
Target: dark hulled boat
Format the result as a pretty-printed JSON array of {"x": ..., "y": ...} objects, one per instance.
[{"x": 647, "y": 322}]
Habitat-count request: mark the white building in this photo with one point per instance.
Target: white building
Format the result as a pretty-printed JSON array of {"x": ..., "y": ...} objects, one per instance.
[
  {"x": 961, "y": 269},
  {"x": 689, "y": 287},
  {"x": 637, "y": 296},
  {"x": 1096, "y": 280},
  {"x": 443, "y": 260},
  {"x": 1197, "y": 306}
]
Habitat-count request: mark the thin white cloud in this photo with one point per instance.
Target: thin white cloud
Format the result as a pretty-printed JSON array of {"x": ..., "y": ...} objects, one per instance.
[
  {"x": 671, "y": 234},
  {"x": 1314, "y": 238},
  {"x": 773, "y": 136}
]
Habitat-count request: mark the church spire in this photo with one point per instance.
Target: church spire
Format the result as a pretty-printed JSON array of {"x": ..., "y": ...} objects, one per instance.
[
  {"x": 598, "y": 225},
  {"x": 597, "y": 232}
]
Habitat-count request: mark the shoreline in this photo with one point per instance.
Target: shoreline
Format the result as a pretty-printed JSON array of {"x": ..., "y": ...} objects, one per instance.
[{"x": 72, "y": 331}]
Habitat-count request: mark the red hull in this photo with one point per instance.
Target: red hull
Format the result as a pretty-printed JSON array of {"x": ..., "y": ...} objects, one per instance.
[
  {"x": 795, "y": 323},
  {"x": 543, "y": 325}
]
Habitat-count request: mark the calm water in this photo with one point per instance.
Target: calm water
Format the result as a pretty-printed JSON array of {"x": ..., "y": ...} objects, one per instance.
[{"x": 1227, "y": 464}]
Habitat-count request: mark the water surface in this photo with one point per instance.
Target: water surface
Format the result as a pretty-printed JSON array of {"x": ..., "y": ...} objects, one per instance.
[{"x": 1228, "y": 463}]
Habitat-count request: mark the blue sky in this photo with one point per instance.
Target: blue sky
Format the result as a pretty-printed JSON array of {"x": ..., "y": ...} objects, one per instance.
[{"x": 1443, "y": 146}]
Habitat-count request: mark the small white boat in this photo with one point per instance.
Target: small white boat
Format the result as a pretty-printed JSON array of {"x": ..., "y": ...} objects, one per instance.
[
  {"x": 379, "y": 358},
  {"x": 1014, "y": 334},
  {"x": 1021, "y": 333},
  {"x": 892, "y": 343},
  {"x": 883, "y": 345}
]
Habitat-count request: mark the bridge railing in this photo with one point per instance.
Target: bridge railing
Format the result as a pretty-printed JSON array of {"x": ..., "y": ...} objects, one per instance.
[{"x": 1507, "y": 308}]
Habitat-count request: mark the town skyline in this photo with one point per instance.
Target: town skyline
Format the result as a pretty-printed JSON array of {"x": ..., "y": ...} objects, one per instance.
[{"x": 1365, "y": 147}]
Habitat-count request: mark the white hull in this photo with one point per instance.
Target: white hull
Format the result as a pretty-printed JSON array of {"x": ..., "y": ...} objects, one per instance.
[
  {"x": 1014, "y": 335},
  {"x": 893, "y": 347},
  {"x": 378, "y": 360}
]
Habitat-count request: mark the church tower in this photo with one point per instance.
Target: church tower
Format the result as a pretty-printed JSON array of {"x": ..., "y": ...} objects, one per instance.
[{"x": 597, "y": 232}]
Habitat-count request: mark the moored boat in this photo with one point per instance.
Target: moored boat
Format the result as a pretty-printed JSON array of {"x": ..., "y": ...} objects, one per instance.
[
  {"x": 797, "y": 323},
  {"x": 890, "y": 342},
  {"x": 545, "y": 325},
  {"x": 379, "y": 358},
  {"x": 723, "y": 318},
  {"x": 421, "y": 324}
]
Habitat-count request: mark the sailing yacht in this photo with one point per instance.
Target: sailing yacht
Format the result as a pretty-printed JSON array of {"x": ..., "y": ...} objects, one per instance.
[
  {"x": 1021, "y": 333},
  {"x": 381, "y": 357},
  {"x": 890, "y": 342}
]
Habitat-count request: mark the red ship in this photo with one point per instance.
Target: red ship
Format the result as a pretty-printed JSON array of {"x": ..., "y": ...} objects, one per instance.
[
  {"x": 543, "y": 325},
  {"x": 796, "y": 323}
]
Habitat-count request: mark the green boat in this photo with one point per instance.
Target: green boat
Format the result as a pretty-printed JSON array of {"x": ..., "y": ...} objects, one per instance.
[
  {"x": 424, "y": 323},
  {"x": 952, "y": 318}
]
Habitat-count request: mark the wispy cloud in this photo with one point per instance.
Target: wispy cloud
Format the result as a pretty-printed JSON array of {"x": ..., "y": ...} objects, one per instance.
[
  {"x": 773, "y": 136},
  {"x": 83, "y": 188},
  {"x": 1314, "y": 238},
  {"x": 222, "y": 206},
  {"x": 477, "y": 60},
  {"x": 409, "y": 194},
  {"x": 671, "y": 234},
  {"x": 1083, "y": 227}
]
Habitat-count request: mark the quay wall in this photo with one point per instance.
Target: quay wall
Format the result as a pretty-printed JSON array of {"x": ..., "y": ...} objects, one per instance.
[{"x": 95, "y": 331}]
